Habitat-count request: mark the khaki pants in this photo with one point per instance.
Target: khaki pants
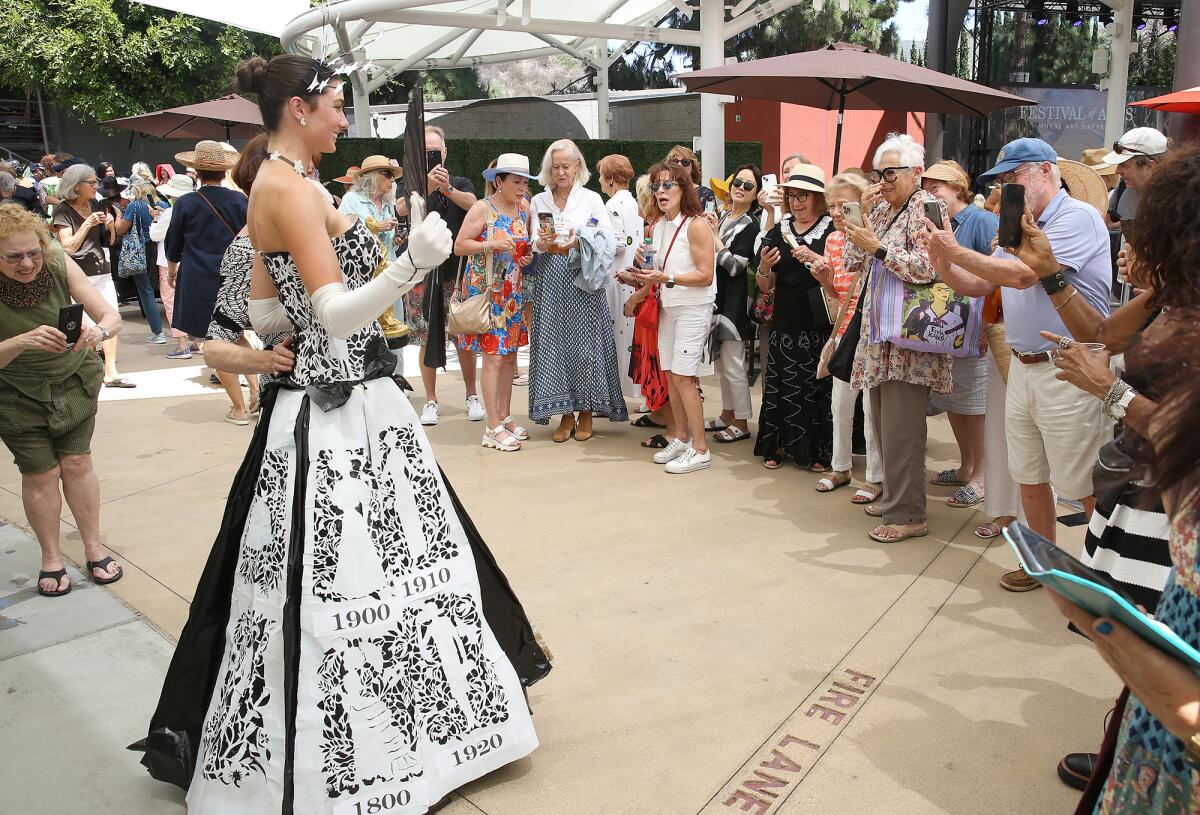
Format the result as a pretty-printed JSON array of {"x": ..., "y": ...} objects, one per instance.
[{"x": 898, "y": 413}]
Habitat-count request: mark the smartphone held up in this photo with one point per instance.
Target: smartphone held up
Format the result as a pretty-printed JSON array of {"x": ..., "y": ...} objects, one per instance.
[{"x": 1012, "y": 210}]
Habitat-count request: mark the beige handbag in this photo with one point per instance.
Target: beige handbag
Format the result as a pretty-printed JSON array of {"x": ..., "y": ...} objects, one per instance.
[
  {"x": 831, "y": 344},
  {"x": 472, "y": 315}
]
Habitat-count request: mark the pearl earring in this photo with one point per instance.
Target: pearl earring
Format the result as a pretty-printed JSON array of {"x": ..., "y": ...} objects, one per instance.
[{"x": 303, "y": 122}]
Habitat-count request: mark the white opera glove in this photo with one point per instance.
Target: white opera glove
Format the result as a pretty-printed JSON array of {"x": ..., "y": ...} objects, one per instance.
[
  {"x": 429, "y": 239},
  {"x": 268, "y": 316}
]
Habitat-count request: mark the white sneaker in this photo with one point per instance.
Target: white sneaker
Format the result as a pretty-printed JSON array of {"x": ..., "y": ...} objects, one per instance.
[
  {"x": 690, "y": 461},
  {"x": 672, "y": 451},
  {"x": 156, "y": 339},
  {"x": 475, "y": 410},
  {"x": 429, "y": 414}
]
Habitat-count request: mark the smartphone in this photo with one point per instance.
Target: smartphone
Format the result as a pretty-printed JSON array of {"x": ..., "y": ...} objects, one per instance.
[
  {"x": 934, "y": 213},
  {"x": 1012, "y": 210},
  {"x": 546, "y": 221},
  {"x": 70, "y": 322},
  {"x": 710, "y": 206},
  {"x": 433, "y": 158},
  {"x": 852, "y": 210}
]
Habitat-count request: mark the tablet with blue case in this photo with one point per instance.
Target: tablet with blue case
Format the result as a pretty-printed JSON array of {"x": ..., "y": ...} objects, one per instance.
[{"x": 1092, "y": 591}]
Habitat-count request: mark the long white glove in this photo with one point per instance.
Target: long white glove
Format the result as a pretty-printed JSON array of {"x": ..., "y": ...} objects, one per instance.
[
  {"x": 268, "y": 316},
  {"x": 343, "y": 312}
]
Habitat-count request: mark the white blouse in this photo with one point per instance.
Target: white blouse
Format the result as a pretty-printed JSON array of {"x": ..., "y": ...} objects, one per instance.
[
  {"x": 582, "y": 206},
  {"x": 628, "y": 225}
]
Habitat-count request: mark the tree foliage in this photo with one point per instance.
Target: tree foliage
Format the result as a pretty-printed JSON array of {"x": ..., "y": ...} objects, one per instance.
[{"x": 109, "y": 58}]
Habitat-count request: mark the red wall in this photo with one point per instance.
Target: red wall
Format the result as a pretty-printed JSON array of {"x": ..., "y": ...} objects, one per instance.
[{"x": 784, "y": 129}]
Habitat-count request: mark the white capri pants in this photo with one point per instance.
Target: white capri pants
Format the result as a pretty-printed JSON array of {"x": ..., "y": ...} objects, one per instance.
[
  {"x": 735, "y": 382},
  {"x": 844, "y": 397}
]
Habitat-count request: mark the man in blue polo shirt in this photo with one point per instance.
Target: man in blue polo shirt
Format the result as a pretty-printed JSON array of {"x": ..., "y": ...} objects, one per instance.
[{"x": 1054, "y": 430}]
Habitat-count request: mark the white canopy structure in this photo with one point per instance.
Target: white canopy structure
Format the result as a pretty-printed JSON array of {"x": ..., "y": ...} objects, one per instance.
[{"x": 393, "y": 36}]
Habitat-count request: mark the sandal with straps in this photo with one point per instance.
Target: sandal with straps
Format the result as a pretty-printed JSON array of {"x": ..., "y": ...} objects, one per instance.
[
  {"x": 57, "y": 576},
  {"x": 832, "y": 481},
  {"x": 491, "y": 438},
  {"x": 519, "y": 433}
]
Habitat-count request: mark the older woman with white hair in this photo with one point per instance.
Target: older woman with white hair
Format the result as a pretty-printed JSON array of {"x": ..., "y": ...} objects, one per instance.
[
  {"x": 373, "y": 199},
  {"x": 572, "y": 353},
  {"x": 898, "y": 380},
  {"x": 84, "y": 229}
]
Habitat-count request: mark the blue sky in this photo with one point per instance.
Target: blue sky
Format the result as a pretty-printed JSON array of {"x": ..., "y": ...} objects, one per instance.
[{"x": 912, "y": 19}]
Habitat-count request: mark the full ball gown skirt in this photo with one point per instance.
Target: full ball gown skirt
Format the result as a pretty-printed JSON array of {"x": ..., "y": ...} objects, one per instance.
[
  {"x": 572, "y": 351},
  {"x": 352, "y": 646}
]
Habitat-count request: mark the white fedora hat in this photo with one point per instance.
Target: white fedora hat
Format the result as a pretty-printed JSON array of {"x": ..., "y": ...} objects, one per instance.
[
  {"x": 176, "y": 186},
  {"x": 514, "y": 163}
]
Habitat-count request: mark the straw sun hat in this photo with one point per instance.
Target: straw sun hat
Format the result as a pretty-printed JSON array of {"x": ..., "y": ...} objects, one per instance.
[
  {"x": 805, "y": 177},
  {"x": 209, "y": 156},
  {"x": 1084, "y": 183},
  {"x": 373, "y": 163}
]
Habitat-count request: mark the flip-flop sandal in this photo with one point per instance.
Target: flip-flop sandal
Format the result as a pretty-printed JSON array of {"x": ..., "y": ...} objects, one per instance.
[
  {"x": 57, "y": 575},
  {"x": 119, "y": 382},
  {"x": 865, "y": 495},
  {"x": 656, "y": 442},
  {"x": 947, "y": 478},
  {"x": 965, "y": 497},
  {"x": 920, "y": 533},
  {"x": 987, "y": 531},
  {"x": 646, "y": 421},
  {"x": 730, "y": 434},
  {"x": 773, "y": 463},
  {"x": 714, "y": 424},
  {"x": 103, "y": 564},
  {"x": 828, "y": 484}
]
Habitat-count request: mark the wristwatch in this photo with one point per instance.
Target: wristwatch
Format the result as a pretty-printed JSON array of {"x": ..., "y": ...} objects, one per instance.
[
  {"x": 670, "y": 280},
  {"x": 881, "y": 254},
  {"x": 104, "y": 332},
  {"x": 1119, "y": 408}
]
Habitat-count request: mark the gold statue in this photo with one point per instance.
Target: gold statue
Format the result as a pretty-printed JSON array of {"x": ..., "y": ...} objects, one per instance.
[{"x": 393, "y": 330}]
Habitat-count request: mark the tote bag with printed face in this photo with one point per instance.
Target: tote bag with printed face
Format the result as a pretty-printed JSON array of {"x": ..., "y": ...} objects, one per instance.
[{"x": 929, "y": 317}]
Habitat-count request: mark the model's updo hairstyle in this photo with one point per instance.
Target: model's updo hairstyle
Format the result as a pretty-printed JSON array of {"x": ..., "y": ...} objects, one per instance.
[{"x": 277, "y": 81}]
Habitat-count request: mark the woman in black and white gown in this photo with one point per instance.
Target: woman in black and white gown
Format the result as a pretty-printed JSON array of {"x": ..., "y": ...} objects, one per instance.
[{"x": 352, "y": 646}]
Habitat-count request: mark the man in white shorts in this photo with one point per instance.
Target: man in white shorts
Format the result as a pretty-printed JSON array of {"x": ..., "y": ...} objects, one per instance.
[{"x": 1054, "y": 430}]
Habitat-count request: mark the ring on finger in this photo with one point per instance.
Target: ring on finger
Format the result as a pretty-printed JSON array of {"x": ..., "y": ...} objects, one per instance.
[{"x": 1065, "y": 342}]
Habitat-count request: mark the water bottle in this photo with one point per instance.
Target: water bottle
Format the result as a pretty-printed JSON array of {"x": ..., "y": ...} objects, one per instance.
[{"x": 648, "y": 254}]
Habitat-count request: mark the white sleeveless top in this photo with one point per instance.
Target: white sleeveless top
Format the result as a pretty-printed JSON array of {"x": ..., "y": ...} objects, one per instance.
[{"x": 679, "y": 262}]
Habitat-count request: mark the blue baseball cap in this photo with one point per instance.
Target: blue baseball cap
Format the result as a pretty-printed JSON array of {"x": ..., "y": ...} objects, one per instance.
[{"x": 1018, "y": 152}]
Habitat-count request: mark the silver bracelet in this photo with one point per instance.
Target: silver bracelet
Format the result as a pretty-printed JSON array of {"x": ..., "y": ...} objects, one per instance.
[{"x": 1116, "y": 391}]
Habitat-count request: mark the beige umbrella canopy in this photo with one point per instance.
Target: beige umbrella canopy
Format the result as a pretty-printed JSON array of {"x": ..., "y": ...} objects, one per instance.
[
  {"x": 230, "y": 117},
  {"x": 844, "y": 77}
]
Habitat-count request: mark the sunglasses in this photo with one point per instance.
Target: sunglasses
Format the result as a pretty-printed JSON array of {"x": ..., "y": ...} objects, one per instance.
[
  {"x": 682, "y": 162},
  {"x": 1119, "y": 148},
  {"x": 889, "y": 175},
  {"x": 739, "y": 184},
  {"x": 663, "y": 185},
  {"x": 388, "y": 174}
]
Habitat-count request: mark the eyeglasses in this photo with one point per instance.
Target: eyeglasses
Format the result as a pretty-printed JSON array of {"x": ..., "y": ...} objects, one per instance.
[
  {"x": 92, "y": 181},
  {"x": 14, "y": 258},
  {"x": 663, "y": 185},
  {"x": 740, "y": 184},
  {"x": 682, "y": 162},
  {"x": 889, "y": 175},
  {"x": 1012, "y": 175},
  {"x": 799, "y": 195}
]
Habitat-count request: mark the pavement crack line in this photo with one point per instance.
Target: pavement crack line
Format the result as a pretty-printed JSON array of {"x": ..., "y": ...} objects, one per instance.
[{"x": 775, "y": 803}]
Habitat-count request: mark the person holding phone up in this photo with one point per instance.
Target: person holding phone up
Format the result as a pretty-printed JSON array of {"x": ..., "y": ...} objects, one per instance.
[
  {"x": 1053, "y": 429},
  {"x": 48, "y": 390}
]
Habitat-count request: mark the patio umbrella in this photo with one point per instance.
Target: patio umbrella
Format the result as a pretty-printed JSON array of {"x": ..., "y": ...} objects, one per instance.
[
  {"x": 230, "y": 117},
  {"x": 1179, "y": 102},
  {"x": 845, "y": 77}
]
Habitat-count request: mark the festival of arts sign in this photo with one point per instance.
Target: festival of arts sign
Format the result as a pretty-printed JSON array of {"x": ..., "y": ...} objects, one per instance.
[{"x": 1070, "y": 119}]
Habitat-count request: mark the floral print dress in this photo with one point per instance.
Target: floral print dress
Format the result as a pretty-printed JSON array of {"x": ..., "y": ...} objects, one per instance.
[
  {"x": 508, "y": 301},
  {"x": 876, "y": 363}
]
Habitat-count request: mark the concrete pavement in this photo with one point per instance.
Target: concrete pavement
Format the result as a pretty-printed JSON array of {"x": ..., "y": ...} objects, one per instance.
[{"x": 728, "y": 641}]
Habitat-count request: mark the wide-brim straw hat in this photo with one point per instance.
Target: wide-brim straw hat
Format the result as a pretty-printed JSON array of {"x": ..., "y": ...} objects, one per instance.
[
  {"x": 945, "y": 172},
  {"x": 176, "y": 186},
  {"x": 209, "y": 156},
  {"x": 371, "y": 163},
  {"x": 1094, "y": 158},
  {"x": 1084, "y": 184},
  {"x": 509, "y": 163},
  {"x": 808, "y": 177},
  {"x": 348, "y": 178}
]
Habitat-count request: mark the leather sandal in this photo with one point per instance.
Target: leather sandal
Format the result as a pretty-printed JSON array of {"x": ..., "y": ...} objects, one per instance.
[
  {"x": 57, "y": 576},
  {"x": 903, "y": 536},
  {"x": 832, "y": 481},
  {"x": 868, "y": 493},
  {"x": 519, "y": 433},
  {"x": 103, "y": 564}
]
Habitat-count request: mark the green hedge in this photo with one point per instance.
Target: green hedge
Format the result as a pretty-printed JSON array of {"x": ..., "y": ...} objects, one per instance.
[{"x": 469, "y": 157}]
